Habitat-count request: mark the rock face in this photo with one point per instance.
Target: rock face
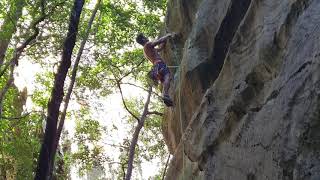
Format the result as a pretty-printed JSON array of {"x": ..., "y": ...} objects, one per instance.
[{"x": 247, "y": 90}]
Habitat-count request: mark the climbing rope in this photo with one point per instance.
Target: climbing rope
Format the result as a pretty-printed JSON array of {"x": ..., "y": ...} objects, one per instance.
[
  {"x": 181, "y": 125},
  {"x": 174, "y": 49},
  {"x": 173, "y": 66}
]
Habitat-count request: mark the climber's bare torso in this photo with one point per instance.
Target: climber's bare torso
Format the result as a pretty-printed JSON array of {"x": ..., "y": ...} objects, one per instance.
[{"x": 152, "y": 53}]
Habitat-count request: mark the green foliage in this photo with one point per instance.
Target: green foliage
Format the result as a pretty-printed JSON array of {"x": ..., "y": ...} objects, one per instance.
[
  {"x": 109, "y": 56},
  {"x": 19, "y": 137},
  {"x": 52, "y": 32},
  {"x": 41, "y": 95},
  {"x": 155, "y": 5},
  {"x": 116, "y": 57},
  {"x": 89, "y": 153},
  {"x": 92, "y": 77},
  {"x": 20, "y": 145},
  {"x": 10, "y": 20},
  {"x": 9, "y": 110},
  {"x": 88, "y": 130},
  {"x": 64, "y": 158},
  {"x": 20, "y": 132}
]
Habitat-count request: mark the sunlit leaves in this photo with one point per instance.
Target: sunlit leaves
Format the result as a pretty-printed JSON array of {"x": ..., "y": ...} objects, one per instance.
[
  {"x": 20, "y": 144},
  {"x": 89, "y": 153},
  {"x": 52, "y": 31},
  {"x": 10, "y": 21},
  {"x": 88, "y": 130},
  {"x": 41, "y": 95},
  {"x": 155, "y": 5},
  {"x": 91, "y": 77}
]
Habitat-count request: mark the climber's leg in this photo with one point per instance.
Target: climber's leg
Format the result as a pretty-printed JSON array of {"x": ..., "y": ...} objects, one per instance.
[
  {"x": 165, "y": 79},
  {"x": 166, "y": 85}
]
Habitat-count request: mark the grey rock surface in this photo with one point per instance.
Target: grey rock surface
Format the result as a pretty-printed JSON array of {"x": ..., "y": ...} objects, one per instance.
[{"x": 247, "y": 90}]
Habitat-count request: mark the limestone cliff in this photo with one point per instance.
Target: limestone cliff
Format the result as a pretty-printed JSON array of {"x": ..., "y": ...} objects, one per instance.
[{"x": 247, "y": 90}]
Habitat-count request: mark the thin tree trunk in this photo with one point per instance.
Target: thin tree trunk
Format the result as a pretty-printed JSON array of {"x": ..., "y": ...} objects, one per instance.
[
  {"x": 8, "y": 27},
  {"x": 136, "y": 135},
  {"x": 73, "y": 77},
  {"x": 46, "y": 156},
  {"x": 165, "y": 168}
]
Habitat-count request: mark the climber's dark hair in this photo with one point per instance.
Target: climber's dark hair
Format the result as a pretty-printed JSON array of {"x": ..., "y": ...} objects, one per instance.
[{"x": 141, "y": 39}]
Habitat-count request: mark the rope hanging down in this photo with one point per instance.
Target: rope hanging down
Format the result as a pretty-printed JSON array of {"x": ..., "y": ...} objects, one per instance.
[{"x": 174, "y": 49}]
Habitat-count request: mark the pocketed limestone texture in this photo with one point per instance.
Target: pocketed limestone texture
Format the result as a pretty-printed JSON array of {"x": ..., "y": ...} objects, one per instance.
[{"x": 247, "y": 90}]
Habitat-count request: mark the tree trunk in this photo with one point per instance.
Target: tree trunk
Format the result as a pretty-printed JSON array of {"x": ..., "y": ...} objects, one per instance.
[
  {"x": 165, "y": 168},
  {"x": 73, "y": 78},
  {"x": 44, "y": 169},
  {"x": 136, "y": 135},
  {"x": 8, "y": 27}
]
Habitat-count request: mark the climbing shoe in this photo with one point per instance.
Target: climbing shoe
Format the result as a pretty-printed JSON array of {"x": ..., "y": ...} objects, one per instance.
[{"x": 166, "y": 99}]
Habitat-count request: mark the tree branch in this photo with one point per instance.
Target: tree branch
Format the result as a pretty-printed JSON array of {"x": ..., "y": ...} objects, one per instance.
[
  {"x": 124, "y": 102},
  {"x": 131, "y": 84},
  {"x": 114, "y": 145},
  {"x": 20, "y": 117},
  {"x": 136, "y": 135},
  {"x": 132, "y": 70},
  {"x": 15, "y": 118},
  {"x": 154, "y": 113}
]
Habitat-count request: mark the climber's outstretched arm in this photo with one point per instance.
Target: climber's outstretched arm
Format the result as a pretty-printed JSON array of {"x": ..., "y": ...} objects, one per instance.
[
  {"x": 162, "y": 40},
  {"x": 161, "y": 47}
]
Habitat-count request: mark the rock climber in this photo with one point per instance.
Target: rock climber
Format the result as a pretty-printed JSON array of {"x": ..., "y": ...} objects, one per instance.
[{"x": 160, "y": 71}]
